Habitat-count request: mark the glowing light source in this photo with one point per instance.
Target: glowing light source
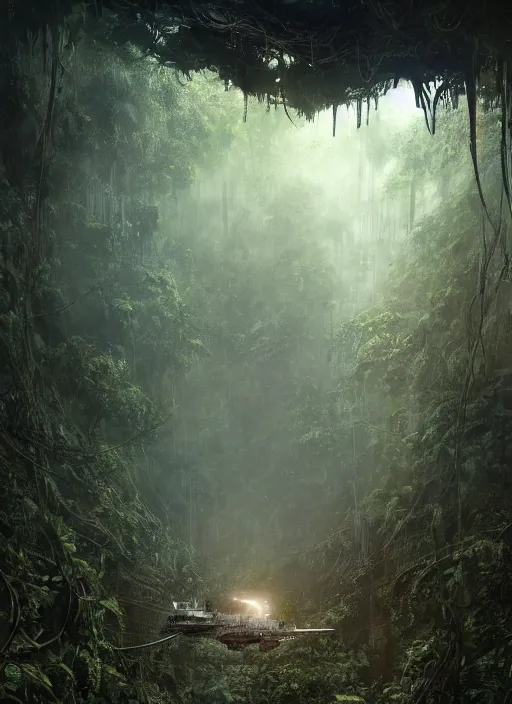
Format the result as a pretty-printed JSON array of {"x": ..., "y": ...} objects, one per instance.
[{"x": 259, "y": 608}]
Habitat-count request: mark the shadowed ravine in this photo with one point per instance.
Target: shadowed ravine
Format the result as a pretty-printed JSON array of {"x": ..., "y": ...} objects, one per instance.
[{"x": 255, "y": 379}]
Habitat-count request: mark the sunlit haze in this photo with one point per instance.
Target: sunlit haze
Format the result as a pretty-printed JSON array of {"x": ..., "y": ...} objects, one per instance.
[{"x": 255, "y": 356}]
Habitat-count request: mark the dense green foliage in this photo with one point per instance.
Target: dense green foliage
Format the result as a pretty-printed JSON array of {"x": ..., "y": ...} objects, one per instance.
[
  {"x": 309, "y": 55},
  {"x": 95, "y": 337},
  {"x": 217, "y": 372}
]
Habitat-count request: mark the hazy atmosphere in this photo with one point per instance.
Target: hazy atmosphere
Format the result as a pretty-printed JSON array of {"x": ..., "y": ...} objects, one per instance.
[{"x": 255, "y": 377}]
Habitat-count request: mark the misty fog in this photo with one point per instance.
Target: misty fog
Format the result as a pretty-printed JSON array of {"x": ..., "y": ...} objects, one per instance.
[{"x": 247, "y": 360}]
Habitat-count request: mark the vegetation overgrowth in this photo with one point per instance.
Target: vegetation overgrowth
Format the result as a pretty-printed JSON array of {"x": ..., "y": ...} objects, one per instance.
[{"x": 221, "y": 366}]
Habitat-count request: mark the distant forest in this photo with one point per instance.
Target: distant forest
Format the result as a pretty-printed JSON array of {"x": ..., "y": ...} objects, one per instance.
[{"x": 239, "y": 353}]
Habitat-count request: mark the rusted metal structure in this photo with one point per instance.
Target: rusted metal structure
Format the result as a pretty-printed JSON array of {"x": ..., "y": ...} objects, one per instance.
[{"x": 235, "y": 631}]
